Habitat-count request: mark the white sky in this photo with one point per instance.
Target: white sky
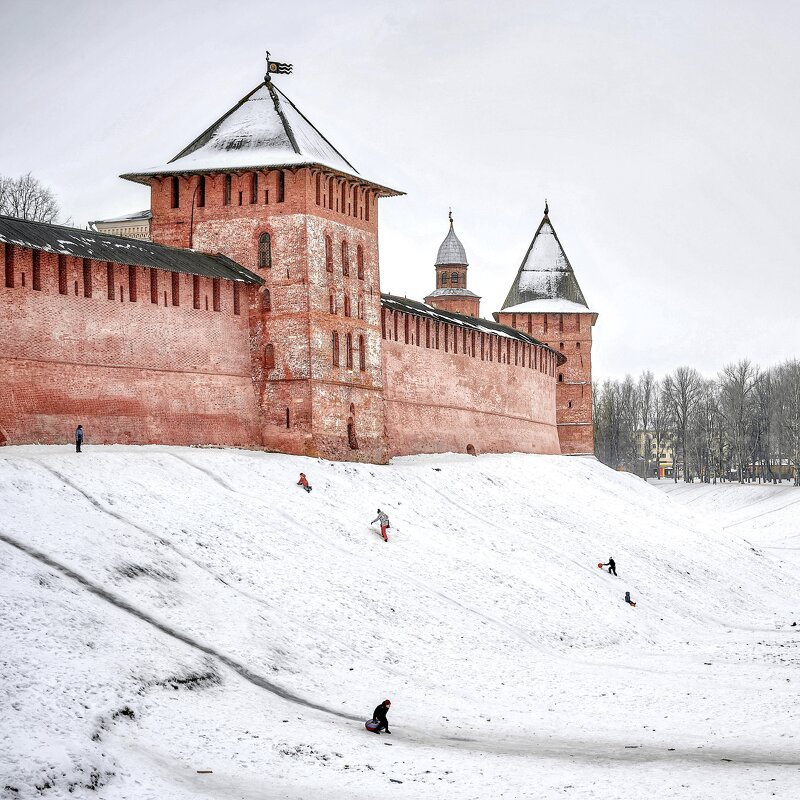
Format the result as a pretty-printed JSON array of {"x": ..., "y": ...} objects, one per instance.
[{"x": 664, "y": 135}]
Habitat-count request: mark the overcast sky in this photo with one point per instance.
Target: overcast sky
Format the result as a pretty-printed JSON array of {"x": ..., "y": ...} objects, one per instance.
[{"x": 664, "y": 135}]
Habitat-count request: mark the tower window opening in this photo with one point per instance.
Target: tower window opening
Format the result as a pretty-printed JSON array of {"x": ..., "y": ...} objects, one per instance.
[
  {"x": 176, "y": 289},
  {"x": 545, "y": 322},
  {"x": 201, "y": 191},
  {"x": 348, "y": 345},
  {"x": 109, "y": 280},
  {"x": 240, "y": 197},
  {"x": 287, "y": 418},
  {"x": 226, "y": 191},
  {"x": 445, "y": 279},
  {"x": 464, "y": 342},
  {"x": 578, "y": 344},
  {"x": 355, "y": 201},
  {"x": 561, "y": 345},
  {"x": 561, "y": 377},
  {"x": 215, "y": 292},
  {"x": 132, "y": 293},
  {"x": 281, "y": 186},
  {"x": 406, "y": 327},
  {"x": 318, "y": 188},
  {"x": 366, "y": 205},
  {"x": 560, "y": 322},
  {"x": 254, "y": 188},
  {"x": 328, "y": 254},
  {"x": 454, "y": 279},
  {"x": 335, "y": 348},
  {"x": 10, "y": 266},
  {"x": 266, "y": 300},
  {"x": 153, "y": 286},
  {"x": 362, "y": 354},
  {"x": 165, "y": 298},
  {"x": 36, "y": 270},
  {"x": 344, "y": 197},
  {"x": 196, "y": 291},
  {"x": 87, "y": 277},
  {"x": 346, "y": 305},
  {"x": 264, "y": 251},
  {"x": 345, "y": 259},
  {"x": 330, "y": 193},
  {"x": 360, "y": 261},
  {"x": 176, "y": 191},
  {"x": 332, "y": 302}
]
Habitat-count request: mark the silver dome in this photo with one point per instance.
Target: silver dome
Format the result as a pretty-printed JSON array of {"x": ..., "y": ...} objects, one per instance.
[{"x": 451, "y": 251}]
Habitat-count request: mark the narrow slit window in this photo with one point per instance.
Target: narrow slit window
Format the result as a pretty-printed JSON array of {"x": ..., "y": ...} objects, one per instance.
[
  {"x": 266, "y": 300},
  {"x": 236, "y": 302},
  {"x": 36, "y": 268},
  {"x": 132, "y": 289},
  {"x": 201, "y": 191},
  {"x": 328, "y": 254},
  {"x": 318, "y": 188},
  {"x": 110, "y": 280},
  {"x": 330, "y": 193},
  {"x": 362, "y": 354},
  {"x": 355, "y": 201},
  {"x": 176, "y": 192},
  {"x": 360, "y": 261},
  {"x": 344, "y": 197},
  {"x": 335, "y": 348},
  {"x": 348, "y": 346},
  {"x": 345, "y": 259},
  {"x": 153, "y": 285},
  {"x": 281, "y": 186},
  {"x": 176, "y": 289},
  {"x": 346, "y": 306},
  {"x": 196, "y": 291},
  {"x": 10, "y": 266},
  {"x": 226, "y": 191},
  {"x": 215, "y": 291},
  {"x": 254, "y": 188},
  {"x": 87, "y": 277}
]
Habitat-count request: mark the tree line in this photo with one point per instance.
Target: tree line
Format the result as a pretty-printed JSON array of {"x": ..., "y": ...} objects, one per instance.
[{"x": 742, "y": 425}]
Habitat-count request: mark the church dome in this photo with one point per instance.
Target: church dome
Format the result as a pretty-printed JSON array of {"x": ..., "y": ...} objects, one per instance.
[{"x": 451, "y": 251}]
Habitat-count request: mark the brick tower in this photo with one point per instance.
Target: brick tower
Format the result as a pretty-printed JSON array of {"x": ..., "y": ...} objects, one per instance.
[
  {"x": 546, "y": 301},
  {"x": 264, "y": 187},
  {"x": 451, "y": 293}
]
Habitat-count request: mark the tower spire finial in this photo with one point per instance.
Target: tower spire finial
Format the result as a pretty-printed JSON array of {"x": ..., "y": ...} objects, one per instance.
[
  {"x": 546, "y": 207},
  {"x": 450, "y": 215},
  {"x": 276, "y": 68}
]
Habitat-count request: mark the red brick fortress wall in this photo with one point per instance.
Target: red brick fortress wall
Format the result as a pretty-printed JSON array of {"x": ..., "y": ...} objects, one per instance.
[
  {"x": 77, "y": 347},
  {"x": 498, "y": 395},
  {"x": 571, "y": 335}
]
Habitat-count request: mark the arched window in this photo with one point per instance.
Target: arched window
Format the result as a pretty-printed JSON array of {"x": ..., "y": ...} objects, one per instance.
[
  {"x": 366, "y": 205},
  {"x": 335, "y": 348},
  {"x": 445, "y": 278},
  {"x": 332, "y": 302},
  {"x": 201, "y": 191},
  {"x": 328, "y": 254},
  {"x": 348, "y": 344},
  {"x": 330, "y": 193},
  {"x": 345, "y": 259},
  {"x": 318, "y": 187},
  {"x": 266, "y": 300},
  {"x": 355, "y": 201},
  {"x": 281, "y": 186},
  {"x": 343, "y": 209},
  {"x": 362, "y": 354},
  {"x": 346, "y": 306},
  {"x": 454, "y": 279},
  {"x": 360, "y": 261},
  {"x": 264, "y": 251},
  {"x": 560, "y": 377}
]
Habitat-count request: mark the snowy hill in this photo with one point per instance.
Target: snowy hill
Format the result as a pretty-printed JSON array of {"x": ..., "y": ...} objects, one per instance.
[{"x": 172, "y": 610}]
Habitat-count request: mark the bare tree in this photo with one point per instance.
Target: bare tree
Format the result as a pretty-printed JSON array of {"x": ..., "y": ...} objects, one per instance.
[
  {"x": 681, "y": 393},
  {"x": 25, "y": 197},
  {"x": 788, "y": 391},
  {"x": 737, "y": 383}
]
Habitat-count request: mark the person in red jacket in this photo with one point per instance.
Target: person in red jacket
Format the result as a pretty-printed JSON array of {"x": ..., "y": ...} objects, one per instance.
[{"x": 304, "y": 482}]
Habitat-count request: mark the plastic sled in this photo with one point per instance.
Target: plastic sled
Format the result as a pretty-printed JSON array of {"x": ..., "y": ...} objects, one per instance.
[
  {"x": 600, "y": 566},
  {"x": 372, "y": 725}
]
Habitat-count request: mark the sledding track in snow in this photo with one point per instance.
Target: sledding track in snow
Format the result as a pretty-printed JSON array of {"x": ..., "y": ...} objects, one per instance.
[{"x": 473, "y": 619}]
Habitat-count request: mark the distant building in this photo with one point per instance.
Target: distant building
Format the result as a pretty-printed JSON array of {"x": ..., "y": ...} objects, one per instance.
[
  {"x": 255, "y": 317},
  {"x": 133, "y": 226}
]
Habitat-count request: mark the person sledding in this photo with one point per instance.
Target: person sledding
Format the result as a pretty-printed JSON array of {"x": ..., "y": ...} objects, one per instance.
[
  {"x": 304, "y": 482},
  {"x": 383, "y": 518},
  {"x": 612, "y": 566},
  {"x": 628, "y": 600},
  {"x": 379, "y": 722}
]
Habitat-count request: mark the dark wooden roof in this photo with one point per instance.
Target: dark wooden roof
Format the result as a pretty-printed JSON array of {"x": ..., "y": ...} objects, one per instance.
[
  {"x": 462, "y": 320},
  {"x": 120, "y": 250}
]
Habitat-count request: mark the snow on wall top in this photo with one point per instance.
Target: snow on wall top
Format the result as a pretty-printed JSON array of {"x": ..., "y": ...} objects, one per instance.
[
  {"x": 451, "y": 251},
  {"x": 545, "y": 273},
  {"x": 556, "y": 305},
  {"x": 263, "y": 130},
  {"x": 452, "y": 293}
]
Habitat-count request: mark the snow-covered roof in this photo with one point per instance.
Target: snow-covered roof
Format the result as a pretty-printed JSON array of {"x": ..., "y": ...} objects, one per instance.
[
  {"x": 556, "y": 305},
  {"x": 452, "y": 293},
  {"x": 545, "y": 273},
  {"x": 451, "y": 251},
  {"x": 119, "y": 250},
  {"x": 133, "y": 217},
  {"x": 462, "y": 320},
  {"x": 264, "y": 130}
]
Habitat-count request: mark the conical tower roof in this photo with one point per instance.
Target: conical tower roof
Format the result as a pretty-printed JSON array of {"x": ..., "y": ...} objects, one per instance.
[
  {"x": 545, "y": 281},
  {"x": 451, "y": 251},
  {"x": 264, "y": 130}
]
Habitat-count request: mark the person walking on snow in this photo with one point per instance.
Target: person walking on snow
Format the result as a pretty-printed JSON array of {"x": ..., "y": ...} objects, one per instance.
[
  {"x": 379, "y": 716},
  {"x": 383, "y": 518},
  {"x": 612, "y": 566},
  {"x": 304, "y": 482},
  {"x": 78, "y": 438}
]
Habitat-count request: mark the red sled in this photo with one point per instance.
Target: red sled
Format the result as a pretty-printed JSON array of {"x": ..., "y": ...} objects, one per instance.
[
  {"x": 372, "y": 725},
  {"x": 600, "y": 565}
]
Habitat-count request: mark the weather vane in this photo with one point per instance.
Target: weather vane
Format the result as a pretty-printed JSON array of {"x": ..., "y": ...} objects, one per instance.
[
  {"x": 276, "y": 68},
  {"x": 546, "y": 207}
]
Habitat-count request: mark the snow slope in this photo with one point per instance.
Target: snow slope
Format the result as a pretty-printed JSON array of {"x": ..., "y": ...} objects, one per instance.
[{"x": 170, "y": 610}]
